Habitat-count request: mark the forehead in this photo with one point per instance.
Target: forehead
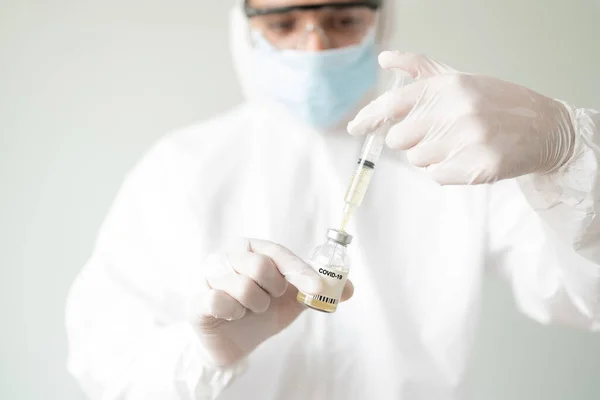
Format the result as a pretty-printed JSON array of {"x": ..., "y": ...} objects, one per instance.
[{"x": 288, "y": 3}]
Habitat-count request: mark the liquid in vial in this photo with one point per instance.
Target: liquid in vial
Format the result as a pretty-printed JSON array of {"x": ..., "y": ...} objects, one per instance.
[
  {"x": 334, "y": 279},
  {"x": 330, "y": 261}
]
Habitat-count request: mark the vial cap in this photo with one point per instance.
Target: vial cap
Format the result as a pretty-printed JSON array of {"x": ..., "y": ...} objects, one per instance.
[{"x": 340, "y": 237}]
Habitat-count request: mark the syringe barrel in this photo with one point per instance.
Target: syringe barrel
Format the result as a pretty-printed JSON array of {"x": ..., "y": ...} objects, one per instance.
[
  {"x": 369, "y": 156},
  {"x": 370, "y": 153},
  {"x": 373, "y": 146},
  {"x": 359, "y": 184}
]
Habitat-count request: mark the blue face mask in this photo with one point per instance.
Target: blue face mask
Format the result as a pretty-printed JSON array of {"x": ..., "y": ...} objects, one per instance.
[{"x": 321, "y": 88}]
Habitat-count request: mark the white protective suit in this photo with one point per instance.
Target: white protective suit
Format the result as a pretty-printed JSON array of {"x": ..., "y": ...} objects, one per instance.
[{"x": 418, "y": 257}]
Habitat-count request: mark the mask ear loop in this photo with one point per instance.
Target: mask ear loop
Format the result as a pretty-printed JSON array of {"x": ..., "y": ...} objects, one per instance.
[{"x": 378, "y": 26}]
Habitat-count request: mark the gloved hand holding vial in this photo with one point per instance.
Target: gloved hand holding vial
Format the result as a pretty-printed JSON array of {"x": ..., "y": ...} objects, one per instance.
[{"x": 249, "y": 294}]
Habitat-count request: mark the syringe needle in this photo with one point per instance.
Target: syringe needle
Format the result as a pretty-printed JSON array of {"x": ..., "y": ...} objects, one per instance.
[{"x": 348, "y": 212}]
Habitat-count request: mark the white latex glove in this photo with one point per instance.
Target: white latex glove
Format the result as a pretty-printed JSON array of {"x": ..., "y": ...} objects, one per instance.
[
  {"x": 245, "y": 298},
  {"x": 466, "y": 128}
]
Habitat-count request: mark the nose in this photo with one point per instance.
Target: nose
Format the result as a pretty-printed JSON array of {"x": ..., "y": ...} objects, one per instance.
[
  {"x": 316, "y": 42},
  {"x": 314, "y": 39}
]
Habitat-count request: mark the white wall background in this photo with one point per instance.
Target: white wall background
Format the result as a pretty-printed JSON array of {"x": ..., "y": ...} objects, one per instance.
[{"x": 86, "y": 87}]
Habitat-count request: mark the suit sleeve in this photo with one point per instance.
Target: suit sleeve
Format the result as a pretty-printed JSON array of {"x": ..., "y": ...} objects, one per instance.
[
  {"x": 544, "y": 234},
  {"x": 128, "y": 336}
]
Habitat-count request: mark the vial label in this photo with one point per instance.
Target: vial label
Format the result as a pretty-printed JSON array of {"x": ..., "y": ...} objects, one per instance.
[{"x": 333, "y": 280}]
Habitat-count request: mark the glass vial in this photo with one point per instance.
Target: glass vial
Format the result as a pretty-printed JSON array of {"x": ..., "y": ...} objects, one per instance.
[{"x": 331, "y": 262}]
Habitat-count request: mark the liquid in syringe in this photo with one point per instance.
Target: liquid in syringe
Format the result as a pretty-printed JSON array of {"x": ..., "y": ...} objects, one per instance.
[
  {"x": 370, "y": 153},
  {"x": 362, "y": 176}
]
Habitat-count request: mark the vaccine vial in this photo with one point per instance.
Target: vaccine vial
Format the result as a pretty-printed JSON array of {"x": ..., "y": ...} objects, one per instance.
[{"x": 330, "y": 260}]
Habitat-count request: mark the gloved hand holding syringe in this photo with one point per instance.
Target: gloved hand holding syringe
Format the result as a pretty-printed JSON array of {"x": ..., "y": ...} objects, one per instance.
[{"x": 369, "y": 156}]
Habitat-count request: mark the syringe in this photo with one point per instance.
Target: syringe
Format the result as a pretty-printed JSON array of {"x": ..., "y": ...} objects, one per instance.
[{"x": 370, "y": 153}]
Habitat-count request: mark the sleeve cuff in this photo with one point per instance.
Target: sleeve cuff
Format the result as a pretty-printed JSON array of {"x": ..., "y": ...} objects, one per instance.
[{"x": 565, "y": 198}]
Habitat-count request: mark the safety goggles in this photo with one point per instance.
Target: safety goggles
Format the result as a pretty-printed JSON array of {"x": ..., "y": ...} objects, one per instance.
[{"x": 337, "y": 24}]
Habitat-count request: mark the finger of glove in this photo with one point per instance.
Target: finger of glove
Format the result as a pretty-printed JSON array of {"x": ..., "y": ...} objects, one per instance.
[
  {"x": 418, "y": 66},
  {"x": 216, "y": 266},
  {"x": 236, "y": 245},
  {"x": 220, "y": 305},
  {"x": 243, "y": 289},
  {"x": 469, "y": 166},
  {"x": 348, "y": 291},
  {"x": 416, "y": 100},
  {"x": 261, "y": 269},
  {"x": 427, "y": 153},
  {"x": 391, "y": 106},
  {"x": 295, "y": 271},
  {"x": 397, "y": 103},
  {"x": 407, "y": 133},
  {"x": 428, "y": 140}
]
